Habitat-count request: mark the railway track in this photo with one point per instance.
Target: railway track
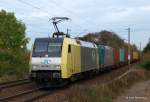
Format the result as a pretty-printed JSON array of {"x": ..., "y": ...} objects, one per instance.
[
  {"x": 26, "y": 96},
  {"x": 14, "y": 83},
  {"x": 21, "y": 91},
  {"x": 35, "y": 93}
]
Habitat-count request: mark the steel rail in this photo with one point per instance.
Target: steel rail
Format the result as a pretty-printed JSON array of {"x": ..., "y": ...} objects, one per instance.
[
  {"x": 19, "y": 94},
  {"x": 2, "y": 86},
  {"x": 13, "y": 81}
]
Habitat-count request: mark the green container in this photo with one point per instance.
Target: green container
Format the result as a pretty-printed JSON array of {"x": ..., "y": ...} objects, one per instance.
[
  {"x": 101, "y": 52},
  {"x": 122, "y": 55}
]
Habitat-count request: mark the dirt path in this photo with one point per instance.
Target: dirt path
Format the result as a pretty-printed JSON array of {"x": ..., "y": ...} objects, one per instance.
[{"x": 140, "y": 92}]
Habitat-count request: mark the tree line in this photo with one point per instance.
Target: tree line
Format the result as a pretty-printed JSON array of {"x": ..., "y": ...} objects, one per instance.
[
  {"x": 107, "y": 38},
  {"x": 13, "y": 40}
]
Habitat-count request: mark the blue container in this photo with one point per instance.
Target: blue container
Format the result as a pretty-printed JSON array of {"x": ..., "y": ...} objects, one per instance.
[{"x": 101, "y": 52}]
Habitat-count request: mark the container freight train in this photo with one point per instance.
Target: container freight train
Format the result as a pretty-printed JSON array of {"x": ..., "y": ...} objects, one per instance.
[{"x": 56, "y": 60}]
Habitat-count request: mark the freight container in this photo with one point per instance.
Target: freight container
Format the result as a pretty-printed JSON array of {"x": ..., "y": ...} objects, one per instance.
[
  {"x": 122, "y": 55},
  {"x": 116, "y": 56},
  {"x": 101, "y": 51},
  {"x": 135, "y": 56},
  {"x": 108, "y": 58}
]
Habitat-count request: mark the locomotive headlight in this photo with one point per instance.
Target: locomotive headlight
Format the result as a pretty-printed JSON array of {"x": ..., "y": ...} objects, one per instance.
[
  {"x": 34, "y": 66},
  {"x": 58, "y": 67}
]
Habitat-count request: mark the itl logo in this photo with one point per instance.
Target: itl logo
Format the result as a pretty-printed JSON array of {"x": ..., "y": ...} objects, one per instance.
[{"x": 45, "y": 61}]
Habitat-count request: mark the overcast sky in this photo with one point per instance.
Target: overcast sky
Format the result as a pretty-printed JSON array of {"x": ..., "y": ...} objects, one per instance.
[{"x": 86, "y": 16}]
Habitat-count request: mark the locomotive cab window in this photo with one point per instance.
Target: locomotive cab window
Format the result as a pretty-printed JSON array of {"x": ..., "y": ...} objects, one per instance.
[
  {"x": 40, "y": 47},
  {"x": 47, "y": 46},
  {"x": 54, "y": 49},
  {"x": 69, "y": 48}
]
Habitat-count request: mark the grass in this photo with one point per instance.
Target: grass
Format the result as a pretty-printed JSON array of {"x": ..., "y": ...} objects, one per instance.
[
  {"x": 146, "y": 61},
  {"x": 104, "y": 92},
  {"x": 6, "y": 78},
  {"x": 146, "y": 65}
]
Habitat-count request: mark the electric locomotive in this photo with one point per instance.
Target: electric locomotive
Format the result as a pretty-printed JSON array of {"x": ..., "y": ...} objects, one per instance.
[{"x": 62, "y": 59}]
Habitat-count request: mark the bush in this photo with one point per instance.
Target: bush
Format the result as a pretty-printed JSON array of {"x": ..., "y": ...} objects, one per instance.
[
  {"x": 11, "y": 64},
  {"x": 146, "y": 65}
]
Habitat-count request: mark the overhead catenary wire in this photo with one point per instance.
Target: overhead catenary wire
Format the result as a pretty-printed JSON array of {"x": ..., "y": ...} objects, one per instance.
[
  {"x": 29, "y": 4},
  {"x": 39, "y": 9},
  {"x": 69, "y": 11},
  {"x": 35, "y": 7}
]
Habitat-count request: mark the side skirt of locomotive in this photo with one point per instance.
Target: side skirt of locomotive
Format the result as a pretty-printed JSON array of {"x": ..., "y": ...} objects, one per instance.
[{"x": 53, "y": 78}]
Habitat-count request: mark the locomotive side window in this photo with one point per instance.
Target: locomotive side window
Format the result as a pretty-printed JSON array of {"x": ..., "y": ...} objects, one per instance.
[{"x": 69, "y": 48}]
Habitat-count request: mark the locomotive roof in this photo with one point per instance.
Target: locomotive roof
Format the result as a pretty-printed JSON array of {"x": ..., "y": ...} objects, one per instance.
[{"x": 49, "y": 40}]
